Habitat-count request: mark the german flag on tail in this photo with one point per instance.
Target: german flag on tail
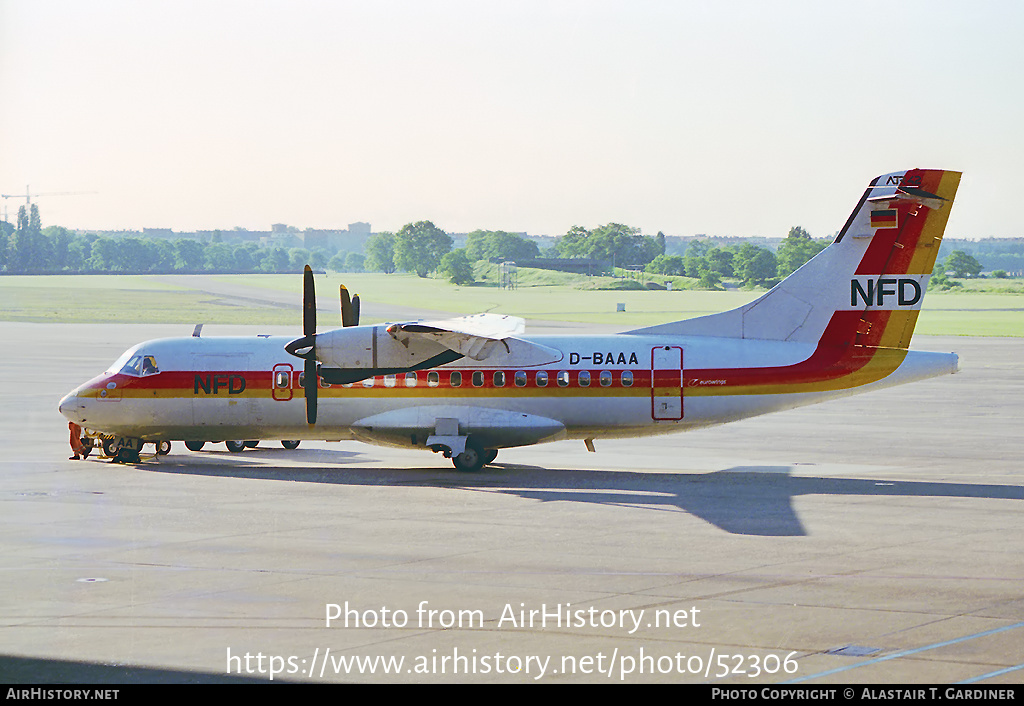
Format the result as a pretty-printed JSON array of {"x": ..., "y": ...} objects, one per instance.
[{"x": 884, "y": 218}]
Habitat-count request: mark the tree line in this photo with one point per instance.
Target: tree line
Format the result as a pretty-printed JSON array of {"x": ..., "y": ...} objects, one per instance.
[
  {"x": 751, "y": 264},
  {"x": 28, "y": 248},
  {"x": 423, "y": 248},
  {"x": 420, "y": 247}
]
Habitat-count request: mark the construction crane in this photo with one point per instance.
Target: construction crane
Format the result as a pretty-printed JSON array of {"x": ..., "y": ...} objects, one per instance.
[{"x": 28, "y": 196}]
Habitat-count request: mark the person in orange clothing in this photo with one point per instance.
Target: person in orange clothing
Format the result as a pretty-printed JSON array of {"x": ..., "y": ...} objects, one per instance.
[{"x": 76, "y": 442}]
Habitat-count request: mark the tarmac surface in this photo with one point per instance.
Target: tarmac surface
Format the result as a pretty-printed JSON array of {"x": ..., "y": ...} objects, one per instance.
[{"x": 876, "y": 539}]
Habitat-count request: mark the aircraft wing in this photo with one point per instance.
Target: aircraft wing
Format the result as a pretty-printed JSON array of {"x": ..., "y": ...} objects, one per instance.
[
  {"x": 472, "y": 336},
  {"x": 491, "y": 428}
]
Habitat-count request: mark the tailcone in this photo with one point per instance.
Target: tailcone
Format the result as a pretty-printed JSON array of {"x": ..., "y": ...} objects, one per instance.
[{"x": 921, "y": 365}]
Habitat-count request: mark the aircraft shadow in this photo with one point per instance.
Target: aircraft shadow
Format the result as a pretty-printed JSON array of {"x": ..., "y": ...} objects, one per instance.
[
  {"x": 38, "y": 670},
  {"x": 747, "y": 500}
]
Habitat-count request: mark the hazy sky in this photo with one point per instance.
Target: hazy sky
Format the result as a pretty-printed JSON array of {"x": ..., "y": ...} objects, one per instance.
[{"x": 724, "y": 118}]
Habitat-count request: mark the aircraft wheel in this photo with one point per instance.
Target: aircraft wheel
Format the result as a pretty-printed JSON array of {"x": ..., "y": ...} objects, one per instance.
[
  {"x": 110, "y": 447},
  {"x": 252, "y": 444},
  {"x": 290, "y": 444},
  {"x": 195, "y": 445},
  {"x": 490, "y": 455},
  {"x": 163, "y": 448},
  {"x": 472, "y": 459},
  {"x": 235, "y": 446}
]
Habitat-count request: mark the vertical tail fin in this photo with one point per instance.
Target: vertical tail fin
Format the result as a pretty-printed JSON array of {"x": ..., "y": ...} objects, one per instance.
[{"x": 865, "y": 288}]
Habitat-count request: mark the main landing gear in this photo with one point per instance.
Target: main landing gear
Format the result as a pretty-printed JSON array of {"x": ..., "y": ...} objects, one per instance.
[{"x": 472, "y": 459}]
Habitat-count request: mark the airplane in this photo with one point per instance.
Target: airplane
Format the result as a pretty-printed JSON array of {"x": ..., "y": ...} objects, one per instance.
[{"x": 470, "y": 386}]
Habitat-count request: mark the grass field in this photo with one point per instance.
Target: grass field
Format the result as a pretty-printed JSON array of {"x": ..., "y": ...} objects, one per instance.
[
  {"x": 118, "y": 299},
  {"x": 147, "y": 299}
]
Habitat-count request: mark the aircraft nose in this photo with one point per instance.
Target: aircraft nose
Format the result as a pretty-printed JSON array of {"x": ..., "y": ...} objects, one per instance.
[{"x": 71, "y": 407}]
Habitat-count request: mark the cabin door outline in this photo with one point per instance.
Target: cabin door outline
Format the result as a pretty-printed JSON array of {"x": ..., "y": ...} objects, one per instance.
[{"x": 667, "y": 383}]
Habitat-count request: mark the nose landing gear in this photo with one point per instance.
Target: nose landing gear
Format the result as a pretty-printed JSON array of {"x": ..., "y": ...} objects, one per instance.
[{"x": 123, "y": 450}]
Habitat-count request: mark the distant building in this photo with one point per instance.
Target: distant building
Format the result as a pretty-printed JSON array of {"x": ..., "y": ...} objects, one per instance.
[
  {"x": 158, "y": 233},
  {"x": 330, "y": 240}
]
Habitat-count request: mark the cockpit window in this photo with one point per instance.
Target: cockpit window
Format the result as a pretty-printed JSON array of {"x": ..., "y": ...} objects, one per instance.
[
  {"x": 149, "y": 366},
  {"x": 120, "y": 362},
  {"x": 140, "y": 365}
]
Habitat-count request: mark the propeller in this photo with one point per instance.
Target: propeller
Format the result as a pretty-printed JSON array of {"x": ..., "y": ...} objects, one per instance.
[{"x": 305, "y": 347}]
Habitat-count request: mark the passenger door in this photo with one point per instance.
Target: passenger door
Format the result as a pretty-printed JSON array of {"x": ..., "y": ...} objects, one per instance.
[{"x": 667, "y": 383}]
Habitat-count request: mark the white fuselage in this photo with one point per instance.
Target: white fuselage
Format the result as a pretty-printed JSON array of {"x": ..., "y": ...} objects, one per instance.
[{"x": 213, "y": 389}]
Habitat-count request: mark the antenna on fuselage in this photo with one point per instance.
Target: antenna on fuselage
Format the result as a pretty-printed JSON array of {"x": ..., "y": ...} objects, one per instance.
[{"x": 197, "y": 330}]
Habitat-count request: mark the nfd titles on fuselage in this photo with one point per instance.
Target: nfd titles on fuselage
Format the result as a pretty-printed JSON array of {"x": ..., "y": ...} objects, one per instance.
[{"x": 212, "y": 384}]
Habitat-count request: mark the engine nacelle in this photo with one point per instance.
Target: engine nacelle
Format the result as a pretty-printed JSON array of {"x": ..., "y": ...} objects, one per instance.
[{"x": 373, "y": 348}]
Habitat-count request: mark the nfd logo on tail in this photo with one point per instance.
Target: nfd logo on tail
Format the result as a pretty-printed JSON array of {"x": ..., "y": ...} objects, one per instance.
[
  {"x": 469, "y": 386},
  {"x": 885, "y": 292}
]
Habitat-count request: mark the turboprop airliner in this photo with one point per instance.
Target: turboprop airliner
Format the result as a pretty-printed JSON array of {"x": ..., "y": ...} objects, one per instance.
[{"x": 469, "y": 386}]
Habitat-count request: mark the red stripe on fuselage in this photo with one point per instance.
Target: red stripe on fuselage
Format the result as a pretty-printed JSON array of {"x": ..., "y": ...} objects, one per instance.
[
  {"x": 846, "y": 346},
  {"x": 834, "y": 357}
]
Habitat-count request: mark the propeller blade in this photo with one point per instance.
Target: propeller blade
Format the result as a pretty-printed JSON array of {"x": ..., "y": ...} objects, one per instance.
[
  {"x": 346, "y": 307},
  {"x": 355, "y": 309},
  {"x": 310, "y": 385},
  {"x": 308, "y": 303}
]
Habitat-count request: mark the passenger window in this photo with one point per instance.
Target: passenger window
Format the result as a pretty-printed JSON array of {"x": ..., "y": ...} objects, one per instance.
[
  {"x": 499, "y": 379},
  {"x": 520, "y": 378},
  {"x": 433, "y": 379},
  {"x": 281, "y": 379},
  {"x": 302, "y": 379},
  {"x": 584, "y": 378},
  {"x": 542, "y": 378},
  {"x": 368, "y": 382},
  {"x": 627, "y": 378},
  {"x": 456, "y": 379},
  {"x": 605, "y": 378},
  {"x": 562, "y": 378},
  {"x": 478, "y": 378},
  {"x": 411, "y": 380},
  {"x": 389, "y": 381}
]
